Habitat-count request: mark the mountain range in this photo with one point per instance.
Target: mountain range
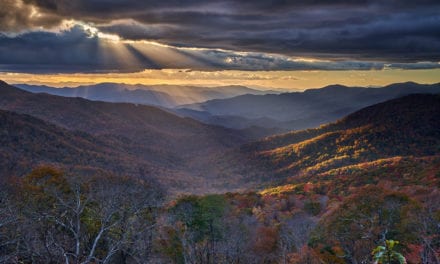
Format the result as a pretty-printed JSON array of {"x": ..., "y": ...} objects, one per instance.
[
  {"x": 168, "y": 96},
  {"x": 189, "y": 156},
  {"x": 238, "y": 107},
  {"x": 297, "y": 110}
]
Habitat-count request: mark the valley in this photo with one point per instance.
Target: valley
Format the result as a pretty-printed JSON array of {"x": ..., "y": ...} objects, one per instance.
[{"x": 233, "y": 195}]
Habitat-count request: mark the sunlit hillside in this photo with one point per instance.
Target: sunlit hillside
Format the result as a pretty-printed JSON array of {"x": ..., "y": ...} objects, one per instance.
[{"x": 407, "y": 126}]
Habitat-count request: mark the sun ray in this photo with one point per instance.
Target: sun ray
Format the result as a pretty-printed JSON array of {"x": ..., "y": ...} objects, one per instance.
[
  {"x": 117, "y": 52},
  {"x": 165, "y": 56}
]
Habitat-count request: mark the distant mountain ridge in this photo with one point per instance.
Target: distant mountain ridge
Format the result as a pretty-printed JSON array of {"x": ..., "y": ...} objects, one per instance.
[
  {"x": 168, "y": 96},
  {"x": 240, "y": 107},
  {"x": 298, "y": 110}
]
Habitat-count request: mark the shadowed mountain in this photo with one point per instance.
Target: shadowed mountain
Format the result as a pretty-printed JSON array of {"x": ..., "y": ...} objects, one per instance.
[
  {"x": 299, "y": 110},
  {"x": 159, "y": 95},
  {"x": 407, "y": 126},
  {"x": 27, "y": 142},
  {"x": 181, "y": 145}
]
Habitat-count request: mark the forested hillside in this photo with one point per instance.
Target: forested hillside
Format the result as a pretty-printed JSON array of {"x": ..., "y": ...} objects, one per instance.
[
  {"x": 407, "y": 126},
  {"x": 339, "y": 192},
  {"x": 27, "y": 142}
]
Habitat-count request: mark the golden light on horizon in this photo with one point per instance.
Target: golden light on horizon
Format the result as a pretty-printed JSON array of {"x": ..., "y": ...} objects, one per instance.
[{"x": 292, "y": 80}]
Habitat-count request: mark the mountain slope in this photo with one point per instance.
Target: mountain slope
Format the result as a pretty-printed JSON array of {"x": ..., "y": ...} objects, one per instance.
[
  {"x": 407, "y": 126},
  {"x": 26, "y": 142},
  {"x": 300, "y": 110}
]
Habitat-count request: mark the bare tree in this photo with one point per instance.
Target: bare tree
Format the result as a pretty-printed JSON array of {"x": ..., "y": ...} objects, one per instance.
[
  {"x": 426, "y": 226},
  {"x": 94, "y": 221},
  {"x": 8, "y": 222},
  {"x": 126, "y": 210},
  {"x": 295, "y": 233}
]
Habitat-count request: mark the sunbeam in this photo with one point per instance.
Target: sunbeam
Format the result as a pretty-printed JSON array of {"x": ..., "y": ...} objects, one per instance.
[
  {"x": 165, "y": 56},
  {"x": 118, "y": 53}
]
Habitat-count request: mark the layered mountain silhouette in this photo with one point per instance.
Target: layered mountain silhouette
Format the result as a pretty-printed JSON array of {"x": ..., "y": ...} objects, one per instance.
[
  {"x": 241, "y": 107},
  {"x": 168, "y": 96},
  {"x": 298, "y": 110}
]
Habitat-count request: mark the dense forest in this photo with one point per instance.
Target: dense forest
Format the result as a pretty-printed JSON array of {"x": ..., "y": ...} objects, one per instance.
[
  {"x": 96, "y": 182},
  {"x": 47, "y": 217}
]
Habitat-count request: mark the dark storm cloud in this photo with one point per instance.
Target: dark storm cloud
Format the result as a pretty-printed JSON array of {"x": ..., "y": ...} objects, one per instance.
[
  {"x": 388, "y": 30},
  {"x": 79, "y": 49},
  {"x": 17, "y": 16},
  {"x": 351, "y": 33},
  {"x": 325, "y": 34},
  {"x": 40, "y": 50}
]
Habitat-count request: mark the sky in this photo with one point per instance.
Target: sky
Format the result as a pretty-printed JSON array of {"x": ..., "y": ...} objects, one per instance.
[{"x": 259, "y": 43}]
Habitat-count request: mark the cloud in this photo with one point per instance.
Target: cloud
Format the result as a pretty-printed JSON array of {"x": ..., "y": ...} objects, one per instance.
[
  {"x": 82, "y": 48},
  {"x": 321, "y": 33},
  {"x": 230, "y": 34},
  {"x": 68, "y": 50},
  {"x": 16, "y": 16}
]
